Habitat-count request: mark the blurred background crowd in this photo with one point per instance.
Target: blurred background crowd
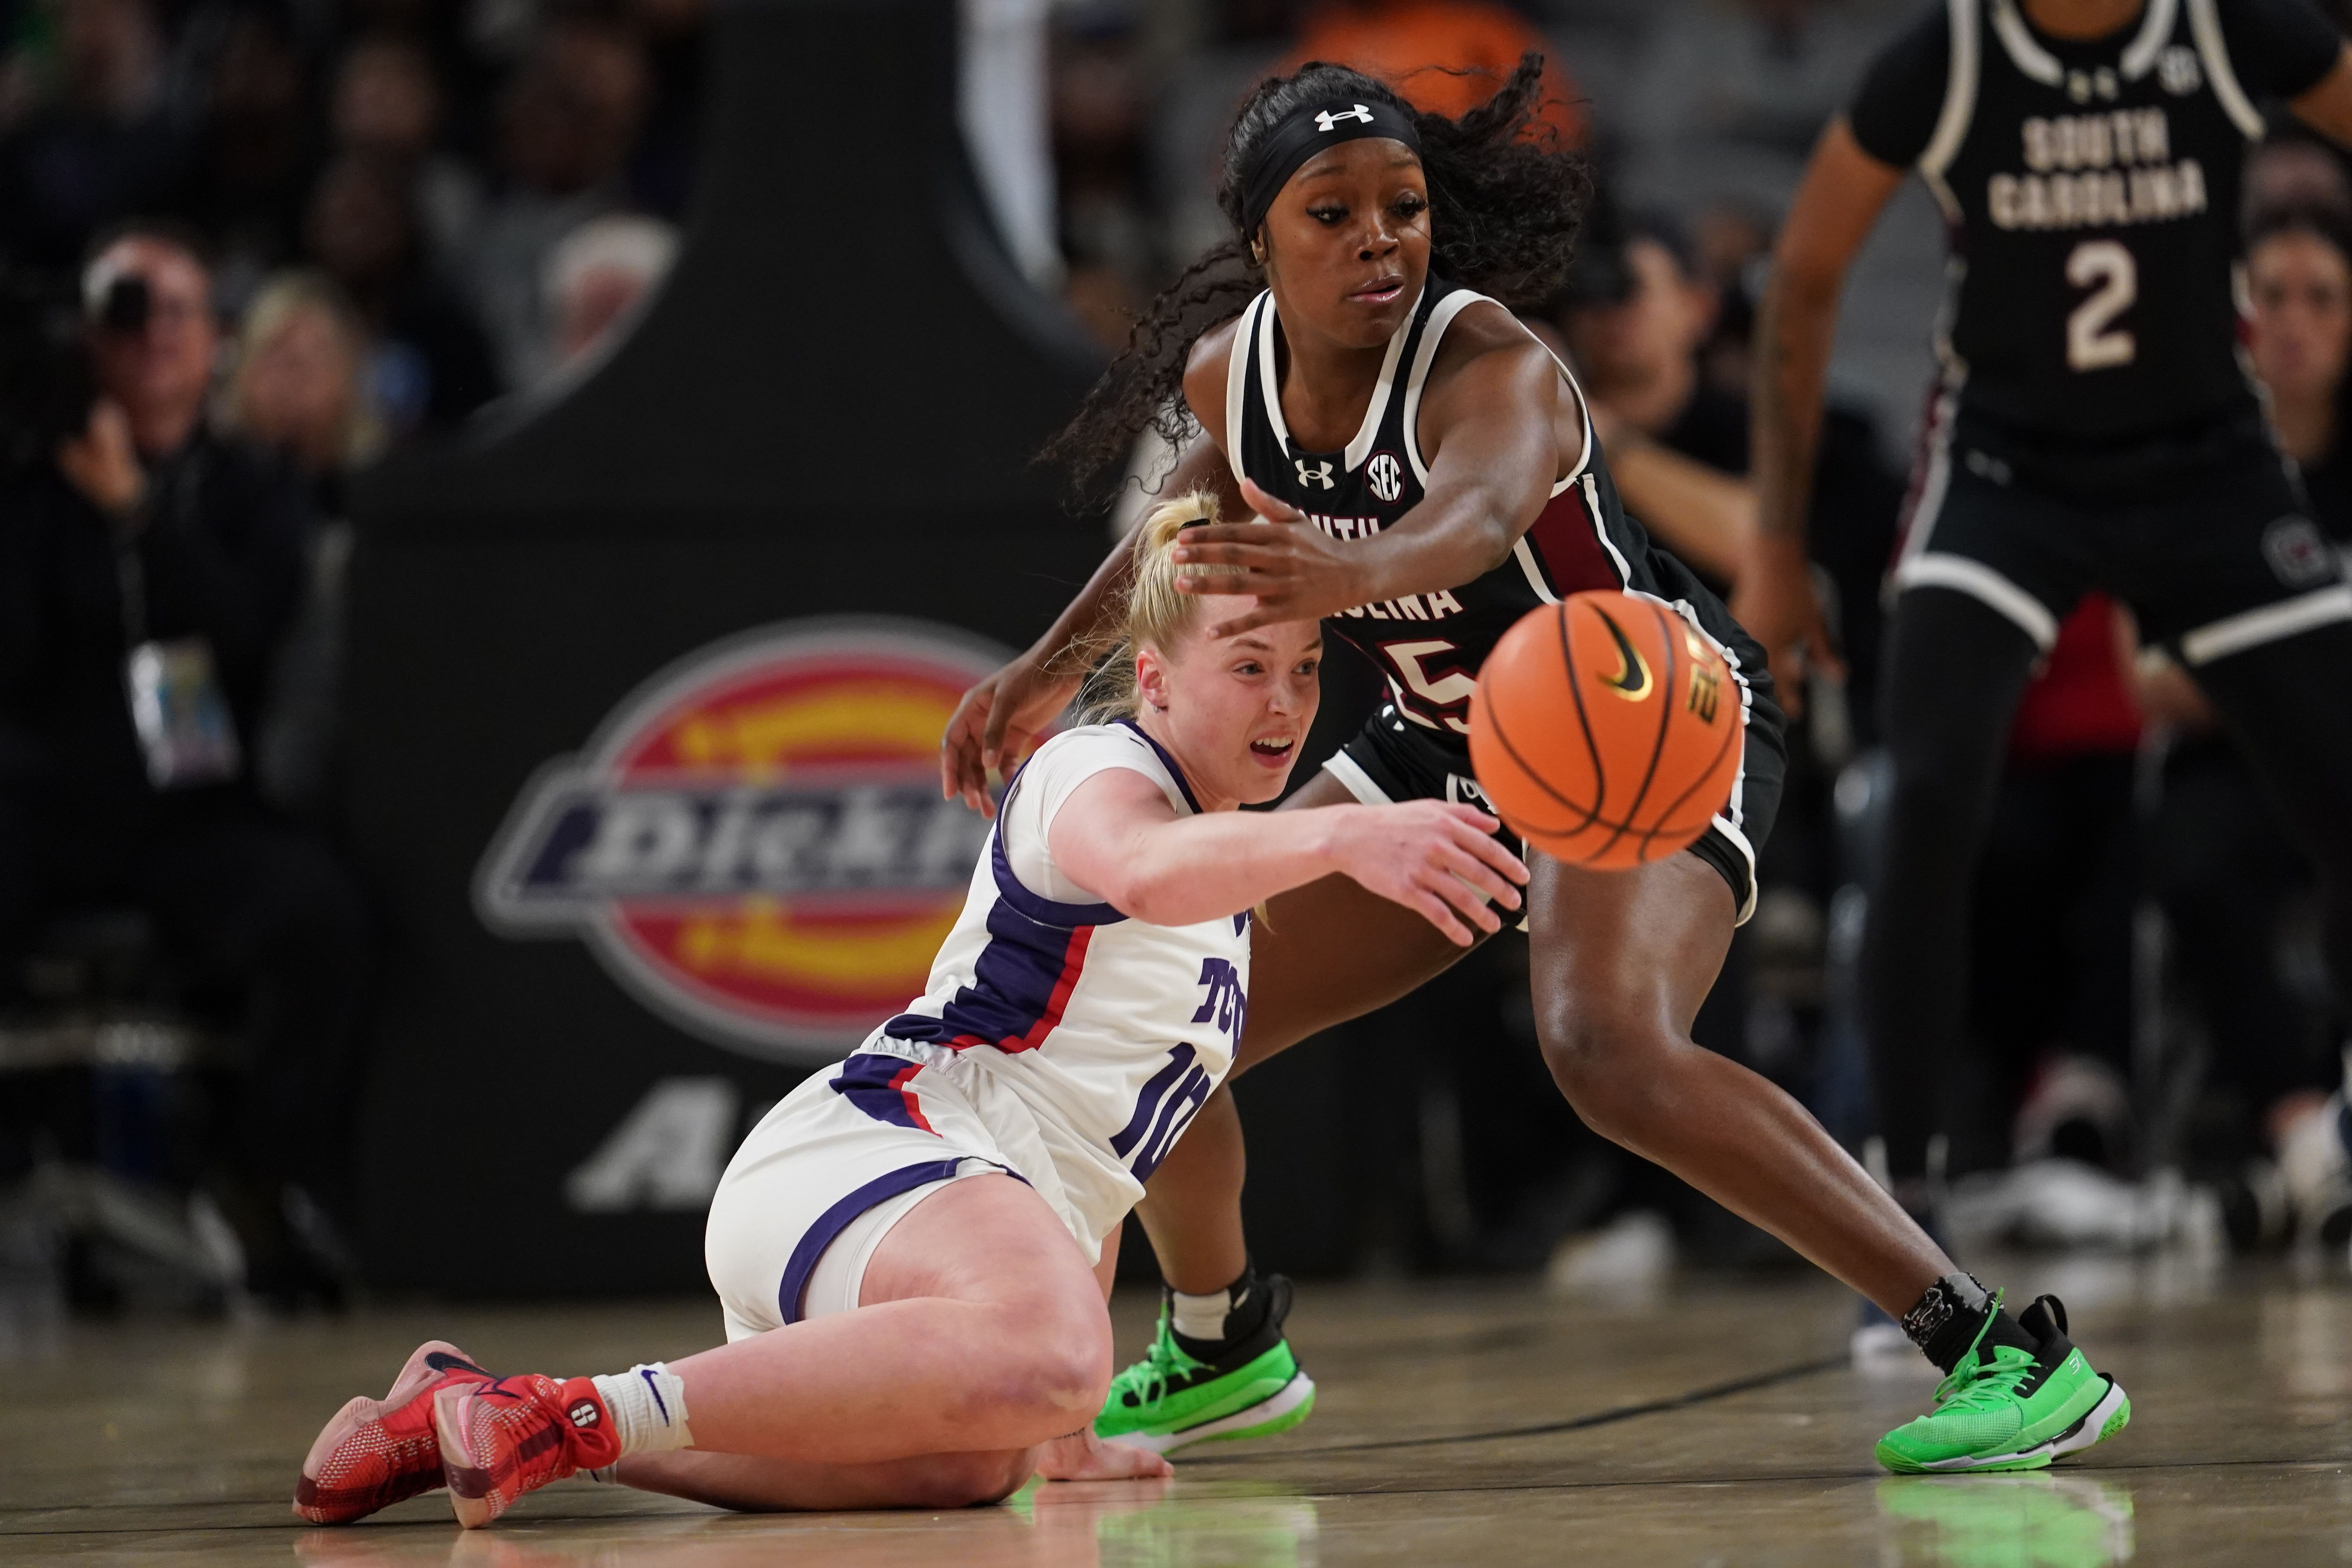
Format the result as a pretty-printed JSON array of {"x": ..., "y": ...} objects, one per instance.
[{"x": 310, "y": 234}]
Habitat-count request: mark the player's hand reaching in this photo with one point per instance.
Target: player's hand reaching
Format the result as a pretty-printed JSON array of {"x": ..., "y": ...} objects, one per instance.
[
  {"x": 1432, "y": 856},
  {"x": 1296, "y": 571},
  {"x": 1774, "y": 599},
  {"x": 996, "y": 725}
]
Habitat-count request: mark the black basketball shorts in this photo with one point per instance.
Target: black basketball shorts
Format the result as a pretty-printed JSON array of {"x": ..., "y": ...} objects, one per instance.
[
  {"x": 1393, "y": 759},
  {"x": 2206, "y": 535}
]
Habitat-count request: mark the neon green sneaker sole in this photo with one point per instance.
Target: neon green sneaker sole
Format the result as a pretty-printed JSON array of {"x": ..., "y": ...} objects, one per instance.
[
  {"x": 2005, "y": 1407},
  {"x": 1278, "y": 1412},
  {"x": 2102, "y": 1410}
]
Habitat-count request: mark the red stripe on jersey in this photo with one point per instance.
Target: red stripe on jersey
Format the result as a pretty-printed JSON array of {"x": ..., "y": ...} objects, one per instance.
[
  {"x": 899, "y": 1081},
  {"x": 1567, "y": 538},
  {"x": 1073, "y": 960}
]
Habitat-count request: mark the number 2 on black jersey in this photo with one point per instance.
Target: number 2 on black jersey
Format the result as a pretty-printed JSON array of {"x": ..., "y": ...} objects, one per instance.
[{"x": 2107, "y": 268}]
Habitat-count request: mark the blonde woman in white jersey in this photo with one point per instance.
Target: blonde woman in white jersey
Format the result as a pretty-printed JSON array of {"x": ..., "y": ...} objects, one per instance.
[{"x": 913, "y": 1251}]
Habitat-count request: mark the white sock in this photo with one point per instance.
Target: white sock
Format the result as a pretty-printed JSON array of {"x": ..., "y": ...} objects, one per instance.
[
  {"x": 1202, "y": 1317},
  {"x": 648, "y": 1409}
]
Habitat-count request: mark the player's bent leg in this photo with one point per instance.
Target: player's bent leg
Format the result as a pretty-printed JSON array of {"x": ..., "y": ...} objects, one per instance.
[
  {"x": 753, "y": 1484},
  {"x": 1620, "y": 963},
  {"x": 981, "y": 1330},
  {"x": 1324, "y": 954}
]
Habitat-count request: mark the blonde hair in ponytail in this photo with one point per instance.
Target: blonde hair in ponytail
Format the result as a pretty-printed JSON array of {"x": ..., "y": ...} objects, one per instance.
[{"x": 1151, "y": 613}]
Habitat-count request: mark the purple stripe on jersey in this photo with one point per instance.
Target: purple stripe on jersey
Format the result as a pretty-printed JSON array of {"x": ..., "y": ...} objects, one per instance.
[
  {"x": 876, "y": 1085},
  {"x": 1020, "y": 986},
  {"x": 834, "y": 1220},
  {"x": 1043, "y": 910},
  {"x": 1166, "y": 762}
]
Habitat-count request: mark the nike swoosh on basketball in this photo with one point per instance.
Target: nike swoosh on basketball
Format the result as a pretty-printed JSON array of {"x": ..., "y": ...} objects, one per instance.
[{"x": 1632, "y": 680}]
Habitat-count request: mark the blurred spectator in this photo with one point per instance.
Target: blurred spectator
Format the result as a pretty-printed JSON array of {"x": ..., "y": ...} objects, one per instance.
[
  {"x": 597, "y": 278},
  {"x": 1731, "y": 94},
  {"x": 255, "y": 154},
  {"x": 103, "y": 148},
  {"x": 2230, "y": 881},
  {"x": 430, "y": 364},
  {"x": 298, "y": 387},
  {"x": 149, "y": 578},
  {"x": 566, "y": 124},
  {"x": 661, "y": 169},
  {"x": 2295, "y": 172},
  {"x": 298, "y": 384},
  {"x": 1443, "y": 56},
  {"x": 388, "y": 104},
  {"x": 1108, "y": 236},
  {"x": 1636, "y": 348}
]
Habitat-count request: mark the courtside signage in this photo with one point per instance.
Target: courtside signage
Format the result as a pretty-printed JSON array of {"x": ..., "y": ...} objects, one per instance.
[{"x": 753, "y": 843}]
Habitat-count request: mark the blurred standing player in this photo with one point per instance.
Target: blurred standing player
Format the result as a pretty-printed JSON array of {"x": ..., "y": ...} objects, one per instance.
[
  {"x": 2224, "y": 869},
  {"x": 1439, "y": 479},
  {"x": 2095, "y": 428}
]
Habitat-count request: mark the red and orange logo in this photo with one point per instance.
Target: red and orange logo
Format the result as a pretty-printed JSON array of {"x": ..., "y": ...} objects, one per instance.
[{"x": 755, "y": 843}]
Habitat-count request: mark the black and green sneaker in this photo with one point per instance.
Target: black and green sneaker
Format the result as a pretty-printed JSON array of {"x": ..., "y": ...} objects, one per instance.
[
  {"x": 2005, "y": 1408},
  {"x": 1170, "y": 1399}
]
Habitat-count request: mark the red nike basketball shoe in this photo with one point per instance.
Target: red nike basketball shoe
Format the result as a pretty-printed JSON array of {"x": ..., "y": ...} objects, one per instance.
[
  {"x": 377, "y": 1452},
  {"x": 500, "y": 1439}
]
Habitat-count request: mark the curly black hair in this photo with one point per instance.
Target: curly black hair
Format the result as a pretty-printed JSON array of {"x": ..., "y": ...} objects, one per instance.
[{"x": 1506, "y": 200}]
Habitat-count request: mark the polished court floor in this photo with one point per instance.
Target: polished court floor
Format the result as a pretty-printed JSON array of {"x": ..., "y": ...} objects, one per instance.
[{"x": 1480, "y": 1424}]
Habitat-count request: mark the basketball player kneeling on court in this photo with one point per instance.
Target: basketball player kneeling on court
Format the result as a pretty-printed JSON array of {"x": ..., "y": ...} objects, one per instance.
[{"x": 912, "y": 1249}]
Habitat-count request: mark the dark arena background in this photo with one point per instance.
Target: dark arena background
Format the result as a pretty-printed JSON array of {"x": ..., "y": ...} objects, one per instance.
[{"x": 637, "y": 404}]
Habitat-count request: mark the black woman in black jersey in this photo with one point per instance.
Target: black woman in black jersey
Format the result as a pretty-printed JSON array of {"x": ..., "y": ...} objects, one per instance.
[
  {"x": 1431, "y": 475},
  {"x": 2094, "y": 429}
]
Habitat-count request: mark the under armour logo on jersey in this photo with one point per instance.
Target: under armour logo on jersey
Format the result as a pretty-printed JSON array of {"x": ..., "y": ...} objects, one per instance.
[
  {"x": 1385, "y": 474},
  {"x": 1314, "y": 473},
  {"x": 1328, "y": 119}
]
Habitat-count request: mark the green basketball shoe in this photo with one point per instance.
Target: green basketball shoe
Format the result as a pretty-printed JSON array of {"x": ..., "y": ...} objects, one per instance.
[
  {"x": 1170, "y": 1400},
  {"x": 2007, "y": 1409}
]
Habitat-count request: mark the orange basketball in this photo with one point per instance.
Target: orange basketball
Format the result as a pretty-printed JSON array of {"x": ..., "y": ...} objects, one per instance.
[{"x": 1607, "y": 730}]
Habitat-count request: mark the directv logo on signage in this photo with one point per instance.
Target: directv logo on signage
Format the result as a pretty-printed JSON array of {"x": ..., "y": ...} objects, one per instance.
[{"x": 755, "y": 843}]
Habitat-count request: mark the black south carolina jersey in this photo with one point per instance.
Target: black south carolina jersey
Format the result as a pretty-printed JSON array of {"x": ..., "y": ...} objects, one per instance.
[
  {"x": 2092, "y": 193},
  {"x": 1429, "y": 646}
]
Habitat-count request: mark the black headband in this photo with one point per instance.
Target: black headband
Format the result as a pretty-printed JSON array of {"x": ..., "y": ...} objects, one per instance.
[{"x": 1306, "y": 132}]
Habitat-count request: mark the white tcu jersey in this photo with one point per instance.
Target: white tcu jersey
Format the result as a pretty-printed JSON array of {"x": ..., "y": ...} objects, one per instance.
[{"x": 1084, "y": 1041}]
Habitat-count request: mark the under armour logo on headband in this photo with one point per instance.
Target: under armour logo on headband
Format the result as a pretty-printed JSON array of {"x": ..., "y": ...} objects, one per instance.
[{"x": 1327, "y": 119}]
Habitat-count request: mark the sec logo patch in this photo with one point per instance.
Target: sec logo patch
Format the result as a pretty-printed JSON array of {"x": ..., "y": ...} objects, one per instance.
[{"x": 753, "y": 843}]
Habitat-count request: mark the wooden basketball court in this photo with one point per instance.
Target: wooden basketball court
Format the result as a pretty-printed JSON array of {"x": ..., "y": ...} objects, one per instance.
[{"x": 1470, "y": 1424}]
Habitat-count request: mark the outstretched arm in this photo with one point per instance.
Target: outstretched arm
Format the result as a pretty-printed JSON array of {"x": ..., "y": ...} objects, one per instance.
[
  {"x": 1494, "y": 423},
  {"x": 1843, "y": 191},
  {"x": 1118, "y": 836}
]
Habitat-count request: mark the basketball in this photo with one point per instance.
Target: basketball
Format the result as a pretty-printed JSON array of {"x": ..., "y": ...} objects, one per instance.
[{"x": 1606, "y": 730}]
